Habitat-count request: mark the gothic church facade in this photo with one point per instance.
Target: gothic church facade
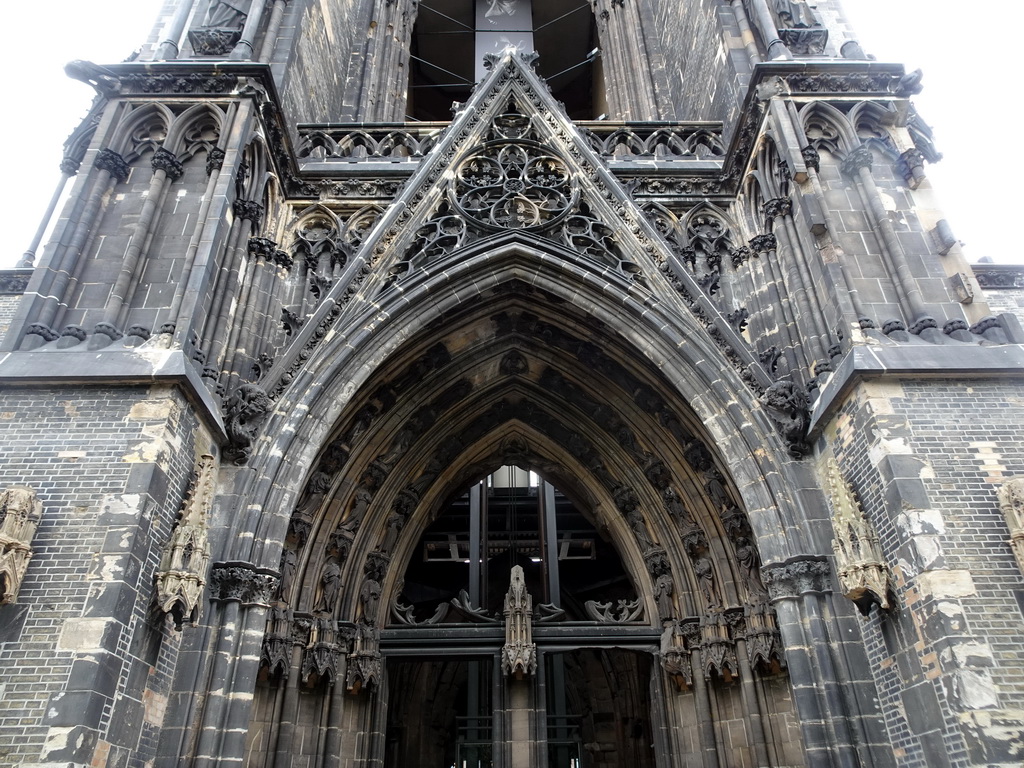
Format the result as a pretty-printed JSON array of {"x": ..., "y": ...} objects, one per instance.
[{"x": 507, "y": 383}]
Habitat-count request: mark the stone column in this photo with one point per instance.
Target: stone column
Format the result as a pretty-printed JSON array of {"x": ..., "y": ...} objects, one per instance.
[
  {"x": 68, "y": 168},
  {"x": 165, "y": 166},
  {"x": 797, "y": 589},
  {"x": 111, "y": 169},
  {"x": 857, "y": 166}
]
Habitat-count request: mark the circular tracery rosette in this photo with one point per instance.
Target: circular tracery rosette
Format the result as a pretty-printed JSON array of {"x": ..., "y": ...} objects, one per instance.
[{"x": 513, "y": 186}]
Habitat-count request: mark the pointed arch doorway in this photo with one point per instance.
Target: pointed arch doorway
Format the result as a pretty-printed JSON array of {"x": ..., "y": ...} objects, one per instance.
[{"x": 581, "y": 696}]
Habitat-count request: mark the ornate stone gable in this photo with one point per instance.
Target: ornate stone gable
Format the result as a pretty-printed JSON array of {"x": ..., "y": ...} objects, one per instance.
[{"x": 512, "y": 163}]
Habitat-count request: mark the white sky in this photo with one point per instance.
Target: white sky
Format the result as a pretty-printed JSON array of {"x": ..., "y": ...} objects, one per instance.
[{"x": 968, "y": 65}]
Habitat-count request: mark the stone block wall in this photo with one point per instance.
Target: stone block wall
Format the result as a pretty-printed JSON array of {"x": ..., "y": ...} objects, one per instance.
[
  {"x": 947, "y": 657},
  {"x": 85, "y": 662}
]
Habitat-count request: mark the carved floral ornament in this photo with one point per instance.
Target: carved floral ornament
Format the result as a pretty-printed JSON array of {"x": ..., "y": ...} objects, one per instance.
[
  {"x": 861, "y": 567},
  {"x": 513, "y": 185},
  {"x": 1011, "y": 502},
  {"x": 20, "y": 511}
]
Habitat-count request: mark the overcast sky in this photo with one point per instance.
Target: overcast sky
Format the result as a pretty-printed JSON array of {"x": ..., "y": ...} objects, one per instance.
[{"x": 965, "y": 99}]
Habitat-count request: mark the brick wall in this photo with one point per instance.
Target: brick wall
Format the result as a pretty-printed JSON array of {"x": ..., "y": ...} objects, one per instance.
[{"x": 82, "y": 644}]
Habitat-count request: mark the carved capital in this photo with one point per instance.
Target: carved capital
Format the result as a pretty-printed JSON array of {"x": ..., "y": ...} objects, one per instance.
[
  {"x": 797, "y": 577},
  {"x": 262, "y": 248},
  {"x": 763, "y": 243},
  {"x": 248, "y": 209},
  {"x": 214, "y": 160},
  {"x": 108, "y": 160},
  {"x": 857, "y": 158},
  {"x": 776, "y": 208},
  {"x": 242, "y": 582},
  {"x": 166, "y": 161},
  {"x": 69, "y": 166},
  {"x": 811, "y": 157}
]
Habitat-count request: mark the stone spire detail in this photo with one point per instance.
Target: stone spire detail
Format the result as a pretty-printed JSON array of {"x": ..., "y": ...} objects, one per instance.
[{"x": 519, "y": 654}]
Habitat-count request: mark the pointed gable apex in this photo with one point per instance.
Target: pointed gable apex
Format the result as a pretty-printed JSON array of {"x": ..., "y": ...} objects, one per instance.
[{"x": 512, "y": 162}]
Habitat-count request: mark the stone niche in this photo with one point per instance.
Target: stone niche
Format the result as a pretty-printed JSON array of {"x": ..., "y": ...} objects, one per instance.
[{"x": 20, "y": 512}]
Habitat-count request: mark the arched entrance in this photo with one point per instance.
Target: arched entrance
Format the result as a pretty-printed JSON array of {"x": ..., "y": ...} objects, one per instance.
[{"x": 673, "y": 657}]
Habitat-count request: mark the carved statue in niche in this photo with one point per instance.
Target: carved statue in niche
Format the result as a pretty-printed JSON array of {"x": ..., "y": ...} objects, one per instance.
[
  {"x": 749, "y": 567},
  {"x": 1011, "y": 502},
  {"x": 705, "y": 574},
  {"x": 20, "y": 512},
  {"x": 663, "y": 589},
  {"x": 369, "y": 596},
  {"x": 792, "y": 14},
  {"x": 360, "y": 504},
  {"x": 330, "y": 587},
  {"x": 289, "y": 566},
  {"x": 798, "y": 26},
  {"x": 222, "y": 27},
  {"x": 636, "y": 522}
]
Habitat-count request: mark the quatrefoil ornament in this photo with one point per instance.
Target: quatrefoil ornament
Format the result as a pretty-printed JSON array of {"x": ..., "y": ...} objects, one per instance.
[{"x": 513, "y": 185}]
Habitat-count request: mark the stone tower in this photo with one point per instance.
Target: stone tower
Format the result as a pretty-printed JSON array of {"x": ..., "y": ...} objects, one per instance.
[{"x": 508, "y": 383}]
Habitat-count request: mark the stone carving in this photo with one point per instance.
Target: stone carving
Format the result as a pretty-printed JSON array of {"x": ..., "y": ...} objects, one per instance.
[
  {"x": 329, "y": 587},
  {"x": 275, "y": 656},
  {"x": 464, "y": 605},
  {"x": 796, "y": 577},
  {"x": 242, "y": 582},
  {"x": 658, "y": 567},
  {"x": 320, "y": 656},
  {"x": 1011, "y": 502},
  {"x": 364, "y": 664},
  {"x": 624, "y": 611},
  {"x": 860, "y": 564},
  {"x": 519, "y": 654},
  {"x": 675, "y": 658},
  {"x": 20, "y": 512},
  {"x": 764, "y": 642},
  {"x": 110, "y": 161},
  {"x": 717, "y": 650},
  {"x": 509, "y": 185},
  {"x": 245, "y": 411},
  {"x": 799, "y": 28},
  {"x": 221, "y": 29},
  {"x": 789, "y": 408},
  {"x": 182, "y": 573}
]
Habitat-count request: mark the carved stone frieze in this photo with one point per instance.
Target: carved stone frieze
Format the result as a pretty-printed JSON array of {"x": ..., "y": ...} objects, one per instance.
[
  {"x": 242, "y": 582},
  {"x": 796, "y": 577},
  {"x": 519, "y": 654},
  {"x": 186, "y": 557},
  {"x": 1011, "y": 503},
  {"x": 20, "y": 513},
  {"x": 860, "y": 563}
]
